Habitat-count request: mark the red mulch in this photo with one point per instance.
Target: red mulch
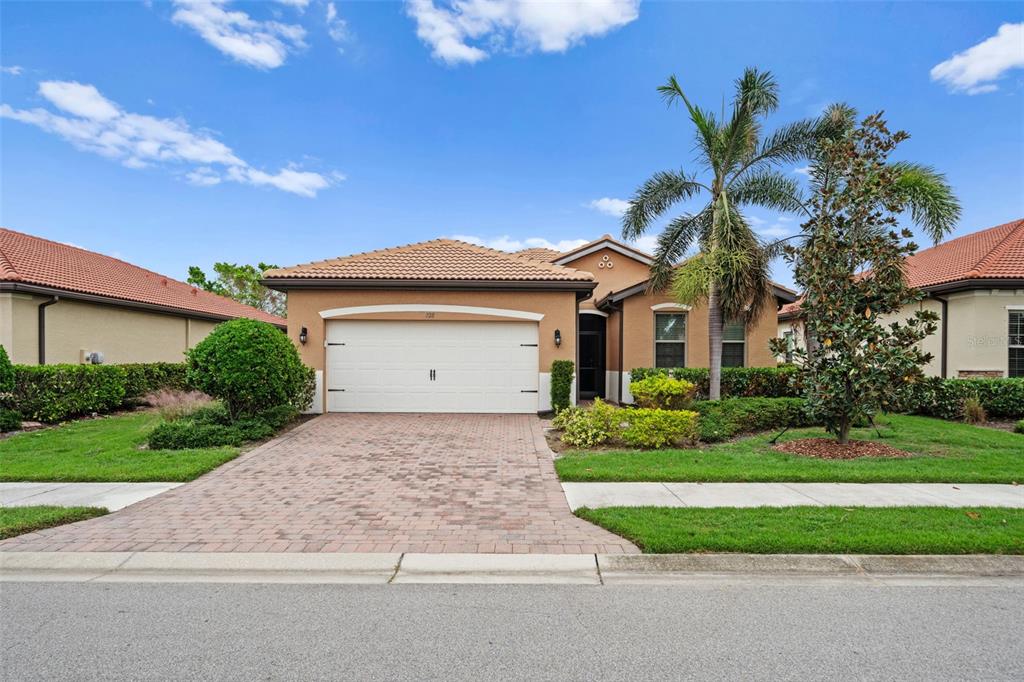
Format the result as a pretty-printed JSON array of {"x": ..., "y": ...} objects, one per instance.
[{"x": 827, "y": 448}]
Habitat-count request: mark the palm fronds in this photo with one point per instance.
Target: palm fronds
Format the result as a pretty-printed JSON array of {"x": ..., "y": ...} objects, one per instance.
[{"x": 654, "y": 197}]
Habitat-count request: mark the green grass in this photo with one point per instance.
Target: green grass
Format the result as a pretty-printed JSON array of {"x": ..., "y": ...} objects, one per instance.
[
  {"x": 19, "y": 520},
  {"x": 809, "y": 530},
  {"x": 105, "y": 449},
  {"x": 949, "y": 452}
]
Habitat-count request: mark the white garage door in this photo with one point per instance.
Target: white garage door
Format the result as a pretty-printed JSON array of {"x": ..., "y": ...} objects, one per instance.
[{"x": 401, "y": 366}]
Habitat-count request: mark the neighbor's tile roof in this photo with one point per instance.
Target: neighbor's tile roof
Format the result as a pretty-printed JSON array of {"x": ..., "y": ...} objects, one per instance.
[
  {"x": 437, "y": 260},
  {"x": 26, "y": 259},
  {"x": 995, "y": 253}
]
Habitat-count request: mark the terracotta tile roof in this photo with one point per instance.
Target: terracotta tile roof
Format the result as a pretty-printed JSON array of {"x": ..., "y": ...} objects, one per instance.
[
  {"x": 25, "y": 259},
  {"x": 995, "y": 253},
  {"x": 437, "y": 260},
  {"x": 538, "y": 253},
  {"x": 640, "y": 255},
  {"x": 790, "y": 310}
]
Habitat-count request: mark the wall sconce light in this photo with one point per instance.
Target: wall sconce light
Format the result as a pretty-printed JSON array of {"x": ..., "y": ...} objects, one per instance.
[
  {"x": 558, "y": 337},
  {"x": 303, "y": 336}
]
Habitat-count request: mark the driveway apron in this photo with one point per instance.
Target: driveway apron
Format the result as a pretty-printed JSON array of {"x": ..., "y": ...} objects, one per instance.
[{"x": 360, "y": 483}]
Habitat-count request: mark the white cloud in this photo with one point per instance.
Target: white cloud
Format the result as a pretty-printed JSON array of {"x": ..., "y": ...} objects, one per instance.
[
  {"x": 93, "y": 123},
  {"x": 804, "y": 170},
  {"x": 507, "y": 243},
  {"x": 13, "y": 70},
  {"x": 299, "y": 4},
  {"x": 263, "y": 44},
  {"x": 647, "y": 243},
  {"x": 524, "y": 25},
  {"x": 974, "y": 70},
  {"x": 609, "y": 206},
  {"x": 337, "y": 28},
  {"x": 780, "y": 226}
]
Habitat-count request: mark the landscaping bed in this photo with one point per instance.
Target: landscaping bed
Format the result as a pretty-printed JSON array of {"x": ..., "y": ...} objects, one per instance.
[
  {"x": 817, "y": 530},
  {"x": 21, "y": 520},
  {"x": 943, "y": 452}
]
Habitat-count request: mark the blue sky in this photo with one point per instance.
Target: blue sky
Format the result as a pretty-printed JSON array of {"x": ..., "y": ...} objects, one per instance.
[{"x": 171, "y": 134}]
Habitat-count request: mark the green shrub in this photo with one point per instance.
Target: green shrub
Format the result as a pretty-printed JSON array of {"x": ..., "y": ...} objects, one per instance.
[
  {"x": 53, "y": 393},
  {"x": 662, "y": 392},
  {"x": 1019, "y": 428},
  {"x": 764, "y": 382},
  {"x": 280, "y": 416},
  {"x": 723, "y": 419},
  {"x": 6, "y": 374},
  {"x": 946, "y": 398},
  {"x": 585, "y": 428},
  {"x": 215, "y": 413},
  {"x": 10, "y": 420},
  {"x": 647, "y": 428},
  {"x": 561, "y": 384},
  {"x": 144, "y": 378},
  {"x": 185, "y": 434},
  {"x": 251, "y": 366}
]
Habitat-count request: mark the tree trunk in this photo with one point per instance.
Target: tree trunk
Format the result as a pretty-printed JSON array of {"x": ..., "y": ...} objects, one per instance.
[
  {"x": 715, "y": 324},
  {"x": 844, "y": 430}
]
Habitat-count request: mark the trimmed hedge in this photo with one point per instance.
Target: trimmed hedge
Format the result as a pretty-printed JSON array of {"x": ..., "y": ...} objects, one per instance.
[
  {"x": 662, "y": 392},
  {"x": 740, "y": 382},
  {"x": 6, "y": 373},
  {"x": 9, "y": 420},
  {"x": 653, "y": 428},
  {"x": 722, "y": 419},
  {"x": 212, "y": 426},
  {"x": 945, "y": 398},
  {"x": 561, "y": 384},
  {"x": 53, "y": 393}
]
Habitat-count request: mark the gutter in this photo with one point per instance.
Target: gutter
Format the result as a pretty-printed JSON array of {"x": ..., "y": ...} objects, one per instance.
[
  {"x": 285, "y": 284},
  {"x": 42, "y": 327}
]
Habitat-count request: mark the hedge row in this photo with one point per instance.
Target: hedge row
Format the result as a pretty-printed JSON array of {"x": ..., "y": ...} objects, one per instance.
[
  {"x": 935, "y": 397},
  {"x": 737, "y": 382},
  {"x": 53, "y": 393}
]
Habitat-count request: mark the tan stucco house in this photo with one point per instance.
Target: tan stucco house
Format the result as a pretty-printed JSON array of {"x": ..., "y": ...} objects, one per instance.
[
  {"x": 975, "y": 284},
  {"x": 63, "y": 304},
  {"x": 447, "y": 326}
]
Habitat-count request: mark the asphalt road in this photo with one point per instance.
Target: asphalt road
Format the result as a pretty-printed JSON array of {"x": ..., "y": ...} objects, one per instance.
[{"x": 358, "y": 632}]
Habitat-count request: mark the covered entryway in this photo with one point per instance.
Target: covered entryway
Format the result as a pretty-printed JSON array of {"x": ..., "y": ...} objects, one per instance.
[
  {"x": 431, "y": 366},
  {"x": 592, "y": 333}
]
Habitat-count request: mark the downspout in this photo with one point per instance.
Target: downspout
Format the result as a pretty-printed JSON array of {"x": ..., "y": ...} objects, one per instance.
[
  {"x": 42, "y": 327},
  {"x": 945, "y": 332}
]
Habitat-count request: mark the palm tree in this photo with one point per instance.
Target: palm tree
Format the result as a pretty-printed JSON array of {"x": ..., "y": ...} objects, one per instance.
[{"x": 732, "y": 269}]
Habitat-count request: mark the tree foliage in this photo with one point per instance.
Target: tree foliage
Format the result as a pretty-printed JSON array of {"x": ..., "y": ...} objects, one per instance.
[
  {"x": 851, "y": 269},
  {"x": 241, "y": 283}
]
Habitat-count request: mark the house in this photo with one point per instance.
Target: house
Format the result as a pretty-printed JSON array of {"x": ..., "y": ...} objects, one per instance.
[
  {"x": 975, "y": 284},
  {"x": 446, "y": 326},
  {"x": 63, "y": 304}
]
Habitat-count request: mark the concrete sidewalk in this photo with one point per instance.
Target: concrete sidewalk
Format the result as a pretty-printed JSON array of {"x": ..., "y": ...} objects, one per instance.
[
  {"x": 579, "y": 569},
  {"x": 595, "y": 495},
  {"x": 112, "y": 496}
]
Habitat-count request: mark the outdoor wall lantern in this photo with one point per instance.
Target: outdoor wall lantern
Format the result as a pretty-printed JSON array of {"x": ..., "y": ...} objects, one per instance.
[
  {"x": 558, "y": 337},
  {"x": 303, "y": 336}
]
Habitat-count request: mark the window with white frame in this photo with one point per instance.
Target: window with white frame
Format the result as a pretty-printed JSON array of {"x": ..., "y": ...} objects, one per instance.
[
  {"x": 790, "y": 344},
  {"x": 734, "y": 344},
  {"x": 1015, "y": 366},
  {"x": 670, "y": 339}
]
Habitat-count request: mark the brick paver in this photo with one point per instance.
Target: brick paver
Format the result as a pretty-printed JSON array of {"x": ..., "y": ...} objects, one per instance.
[{"x": 360, "y": 483}]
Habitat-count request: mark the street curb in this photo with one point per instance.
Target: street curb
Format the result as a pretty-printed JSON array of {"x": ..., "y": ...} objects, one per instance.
[{"x": 580, "y": 569}]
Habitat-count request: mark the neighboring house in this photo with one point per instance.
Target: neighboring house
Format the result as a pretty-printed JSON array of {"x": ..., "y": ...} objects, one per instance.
[
  {"x": 446, "y": 326},
  {"x": 63, "y": 304},
  {"x": 975, "y": 284}
]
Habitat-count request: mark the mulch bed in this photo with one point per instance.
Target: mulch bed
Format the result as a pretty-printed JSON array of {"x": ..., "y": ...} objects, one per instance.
[{"x": 827, "y": 448}]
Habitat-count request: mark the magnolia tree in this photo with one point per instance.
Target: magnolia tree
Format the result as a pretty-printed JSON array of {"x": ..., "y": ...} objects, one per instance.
[{"x": 850, "y": 267}]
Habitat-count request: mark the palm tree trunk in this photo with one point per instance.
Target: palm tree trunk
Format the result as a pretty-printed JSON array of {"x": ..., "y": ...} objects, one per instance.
[{"x": 715, "y": 324}]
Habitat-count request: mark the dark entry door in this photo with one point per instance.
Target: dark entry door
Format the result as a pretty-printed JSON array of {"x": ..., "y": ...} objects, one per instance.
[{"x": 592, "y": 352}]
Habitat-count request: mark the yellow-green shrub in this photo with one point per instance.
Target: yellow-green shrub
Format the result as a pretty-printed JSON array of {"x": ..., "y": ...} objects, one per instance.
[
  {"x": 584, "y": 428},
  {"x": 646, "y": 428},
  {"x": 660, "y": 392}
]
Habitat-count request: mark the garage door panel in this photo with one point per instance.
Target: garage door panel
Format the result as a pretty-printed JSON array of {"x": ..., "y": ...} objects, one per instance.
[{"x": 378, "y": 366}]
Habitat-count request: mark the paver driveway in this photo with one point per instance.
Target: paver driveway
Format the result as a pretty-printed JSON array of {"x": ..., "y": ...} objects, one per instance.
[{"x": 360, "y": 483}]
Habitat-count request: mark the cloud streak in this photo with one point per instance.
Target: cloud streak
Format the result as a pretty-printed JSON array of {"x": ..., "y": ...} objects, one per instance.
[
  {"x": 93, "y": 123},
  {"x": 976, "y": 70},
  {"x": 468, "y": 31},
  {"x": 261, "y": 44},
  {"x": 609, "y": 206}
]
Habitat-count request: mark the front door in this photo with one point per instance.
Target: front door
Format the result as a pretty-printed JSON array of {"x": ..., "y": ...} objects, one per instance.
[{"x": 592, "y": 352}]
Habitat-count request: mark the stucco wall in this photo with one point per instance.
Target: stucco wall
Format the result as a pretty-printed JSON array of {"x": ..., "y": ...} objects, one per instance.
[
  {"x": 623, "y": 273},
  {"x": 557, "y": 307},
  {"x": 121, "y": 334},
  {"x": 638, "y": 348}
]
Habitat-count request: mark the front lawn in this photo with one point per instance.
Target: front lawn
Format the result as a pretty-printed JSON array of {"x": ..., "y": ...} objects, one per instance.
[
  {"x": 949, "y": 452},
  {"x": 19, "y": 520},
  {"x": 104, "y": 449},
  {"x": 814, "y": 530}
]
